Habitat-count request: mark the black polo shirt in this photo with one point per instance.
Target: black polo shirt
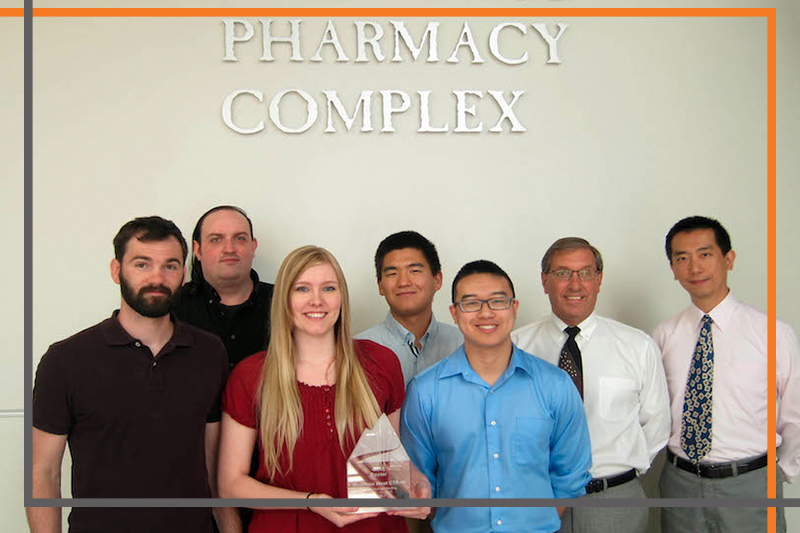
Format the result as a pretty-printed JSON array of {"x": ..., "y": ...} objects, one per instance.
[
  {"x": 135, "y": 423},
  {"x": 244, "y": 329}
]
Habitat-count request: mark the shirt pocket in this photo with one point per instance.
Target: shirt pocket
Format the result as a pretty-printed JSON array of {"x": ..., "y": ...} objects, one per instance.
[
  {"x": 619, "y": 398},
  {"x": 743, "y": 376},
  {"x": 532, "y": 440}
]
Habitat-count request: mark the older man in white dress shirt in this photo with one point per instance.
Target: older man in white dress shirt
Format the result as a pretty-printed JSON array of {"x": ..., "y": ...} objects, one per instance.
[
  {"x": 715, "y": 357},
  {"x": 617, "y": 369}
]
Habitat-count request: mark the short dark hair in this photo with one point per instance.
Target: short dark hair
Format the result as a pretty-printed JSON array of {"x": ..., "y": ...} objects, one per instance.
[
  {"x": 568, "y": 244},
  {"x": 407, "y": 239},
  {"x": 480, "y": 267},
  {"x": 721, "y": 235},
  {"x": 196, "y": 273},
  {"x": 147, "y": 229}
]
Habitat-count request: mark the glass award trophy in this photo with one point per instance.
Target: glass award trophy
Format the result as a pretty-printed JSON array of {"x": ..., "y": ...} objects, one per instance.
[{"x": 379, "y": 467}]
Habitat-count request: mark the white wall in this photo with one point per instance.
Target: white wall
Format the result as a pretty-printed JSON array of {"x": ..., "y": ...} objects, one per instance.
[
  {"x": 12, "y": 516},
  {"x": 646, "y": 121},
  {"x": 630, "y": 133},
  {"x": 788, "y": 187}
]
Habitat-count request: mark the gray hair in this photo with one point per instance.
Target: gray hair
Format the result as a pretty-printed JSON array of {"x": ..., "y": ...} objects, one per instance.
[{"x": 567, "y": 244}]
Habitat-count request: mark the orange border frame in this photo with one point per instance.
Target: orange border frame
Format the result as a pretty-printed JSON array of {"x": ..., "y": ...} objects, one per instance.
[{"x": 769, "y": 13}]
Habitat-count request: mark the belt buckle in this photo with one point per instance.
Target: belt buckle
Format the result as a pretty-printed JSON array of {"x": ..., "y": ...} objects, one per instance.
[{"x": 595, "y": 485}]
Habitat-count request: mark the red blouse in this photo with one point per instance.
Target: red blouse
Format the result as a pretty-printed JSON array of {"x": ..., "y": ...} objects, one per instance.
[{"x": 319, "y": 462}]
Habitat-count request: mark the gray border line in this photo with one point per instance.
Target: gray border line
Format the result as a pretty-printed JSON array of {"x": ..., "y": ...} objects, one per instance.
[
  {"x": 436, "y": 502},
  {"x": 27, "y": 254},
  {"x": 29, "y": 501}
]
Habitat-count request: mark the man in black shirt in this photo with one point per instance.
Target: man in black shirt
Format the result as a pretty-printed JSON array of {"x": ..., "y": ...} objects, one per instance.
[{"x": 225, "y": 295}]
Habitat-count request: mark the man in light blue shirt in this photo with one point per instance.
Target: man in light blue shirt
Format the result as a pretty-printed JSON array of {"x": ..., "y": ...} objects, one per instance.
[
  {"x": 492, "y": 421},
  {"x": 409, "y": 274}
]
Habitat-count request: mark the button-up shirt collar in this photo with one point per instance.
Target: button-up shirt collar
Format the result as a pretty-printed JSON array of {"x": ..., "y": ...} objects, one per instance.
[
  {"x": 438, "y": 341},
  {"x": 399, "y": 331},
  {"x": 587, "y": 327},
  {"x": 459, "y": 364},
  {"x": 721, "y": 314}
]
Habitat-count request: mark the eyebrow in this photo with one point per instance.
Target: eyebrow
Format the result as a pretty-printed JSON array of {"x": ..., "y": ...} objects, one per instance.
[
  {"x": 148, "y": 258},
  {"x": 564, "y": 267},
  {"x": 219, "y": 234},
  {"x": 684, "y": 252},
  {"x": 408, "y": 265},
  {"x": 475, "y": 296}
]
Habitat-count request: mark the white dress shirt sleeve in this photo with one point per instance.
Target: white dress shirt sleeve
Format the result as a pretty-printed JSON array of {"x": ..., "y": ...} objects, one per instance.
[
  {"x": 788, "y": 391},
  {"x": 654, "y": 414}
]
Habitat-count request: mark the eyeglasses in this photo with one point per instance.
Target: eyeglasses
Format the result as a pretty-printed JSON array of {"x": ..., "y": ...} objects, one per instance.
[
  {"x": 495, "y": 304},
  {"x": 584, "y": 274}
]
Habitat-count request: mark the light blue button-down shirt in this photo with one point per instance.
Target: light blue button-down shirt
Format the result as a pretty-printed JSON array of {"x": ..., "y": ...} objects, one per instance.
[
  {"x": 439, "y": 341},
  {"x": 523, "y": 437}
]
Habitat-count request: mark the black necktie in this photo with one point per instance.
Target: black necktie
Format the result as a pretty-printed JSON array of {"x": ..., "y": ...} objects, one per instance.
[{"x": 570, "y": 358}]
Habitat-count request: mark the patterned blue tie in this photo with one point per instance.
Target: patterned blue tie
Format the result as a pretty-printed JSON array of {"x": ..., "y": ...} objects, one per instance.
[{"x": 696, "y": 430}]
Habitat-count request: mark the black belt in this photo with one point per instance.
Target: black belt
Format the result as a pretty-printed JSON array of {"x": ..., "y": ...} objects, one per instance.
[
  {"x": 718, "y": 470},
  {"x": 597, "y": 485}
]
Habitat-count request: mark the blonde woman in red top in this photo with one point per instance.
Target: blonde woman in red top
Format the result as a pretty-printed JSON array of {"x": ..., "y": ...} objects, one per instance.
[{"x": 306, "y": 401}]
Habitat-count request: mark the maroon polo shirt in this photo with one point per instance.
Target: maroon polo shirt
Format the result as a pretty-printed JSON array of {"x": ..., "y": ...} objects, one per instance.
[{"x": 135, "y": 422}]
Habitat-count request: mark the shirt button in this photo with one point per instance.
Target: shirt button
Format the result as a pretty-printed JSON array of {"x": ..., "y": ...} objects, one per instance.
[
  {"x": 499, "y": 522},
  {"x": 138, "y": 344},
  {"x": 497, "y": 489},
  {"x": 154, "y": 363},
  {"x": 496, "y": 455},
  {"x": 493, "y": 423},
  {"x": 211, "y": 301},
  {"x": 233, "y": 336}
]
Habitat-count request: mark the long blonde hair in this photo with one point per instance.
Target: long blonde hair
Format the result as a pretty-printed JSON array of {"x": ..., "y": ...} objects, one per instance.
[{"x": 279, "y": 406}]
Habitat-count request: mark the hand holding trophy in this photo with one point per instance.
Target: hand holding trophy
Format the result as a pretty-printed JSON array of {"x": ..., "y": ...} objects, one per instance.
[{"x": 379, "y": 467}]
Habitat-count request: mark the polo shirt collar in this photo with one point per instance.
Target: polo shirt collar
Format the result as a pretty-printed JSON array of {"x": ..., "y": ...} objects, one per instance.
[
  {"x": 722, "y": 314},
  {"x": 401, "y": 333},
  {"x": 115, "y": 335}
]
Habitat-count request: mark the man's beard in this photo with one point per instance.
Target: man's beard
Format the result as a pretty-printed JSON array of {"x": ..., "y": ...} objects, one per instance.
[{"x": 143, "y": 304}]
